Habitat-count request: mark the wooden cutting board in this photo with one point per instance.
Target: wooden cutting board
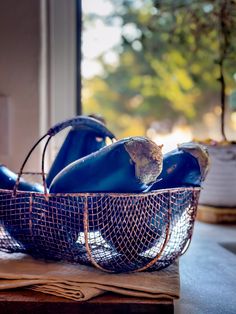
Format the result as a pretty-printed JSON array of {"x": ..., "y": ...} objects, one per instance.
[{"x": 216, "y": 215}]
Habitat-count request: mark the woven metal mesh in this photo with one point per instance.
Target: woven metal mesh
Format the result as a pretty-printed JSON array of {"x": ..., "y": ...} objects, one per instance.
[{"x": 114, "y": 232}]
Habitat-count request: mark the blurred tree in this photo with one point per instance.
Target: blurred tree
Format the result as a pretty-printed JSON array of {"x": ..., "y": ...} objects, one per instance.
[{"x": 168, "y": 65}]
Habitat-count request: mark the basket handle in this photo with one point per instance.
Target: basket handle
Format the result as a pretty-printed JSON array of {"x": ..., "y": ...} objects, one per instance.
[
  {"x": 73, "y": 122},
  {"x": 80, "y": 120}
]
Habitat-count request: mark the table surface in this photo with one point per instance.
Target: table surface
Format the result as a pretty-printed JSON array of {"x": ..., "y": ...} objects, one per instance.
[
  {"x": 25, "y": 301},
  {"x": 208, "y": 284},
  {"x": 208, "y": 271}
]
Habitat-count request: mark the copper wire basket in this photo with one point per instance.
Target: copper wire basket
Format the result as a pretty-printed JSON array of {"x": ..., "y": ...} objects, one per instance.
[{"x": 111, "y": 231}]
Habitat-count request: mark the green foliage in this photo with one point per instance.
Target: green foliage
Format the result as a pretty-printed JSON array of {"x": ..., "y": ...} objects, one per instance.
[{"x": 168, "y": 65}]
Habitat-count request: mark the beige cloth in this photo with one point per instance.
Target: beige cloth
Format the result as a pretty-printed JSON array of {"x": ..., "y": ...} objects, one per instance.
[{"x": 80, "y": 283}]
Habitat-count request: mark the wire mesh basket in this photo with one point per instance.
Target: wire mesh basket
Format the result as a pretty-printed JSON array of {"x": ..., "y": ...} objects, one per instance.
[{"x": 111, "y": 231}]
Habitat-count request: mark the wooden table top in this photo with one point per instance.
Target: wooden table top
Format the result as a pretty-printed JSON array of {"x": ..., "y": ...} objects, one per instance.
[{"x": 22, "y": 301}]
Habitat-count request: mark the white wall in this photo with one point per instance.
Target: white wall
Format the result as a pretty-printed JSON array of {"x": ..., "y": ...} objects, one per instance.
[
  {"x": 37, "y": 74},
  {"x": 62, "y": 65},
  {"x": 19, "y": 80}
]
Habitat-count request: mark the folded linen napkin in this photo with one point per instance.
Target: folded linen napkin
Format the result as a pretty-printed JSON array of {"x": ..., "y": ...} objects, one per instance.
[{"x": 80, "y": 283}]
